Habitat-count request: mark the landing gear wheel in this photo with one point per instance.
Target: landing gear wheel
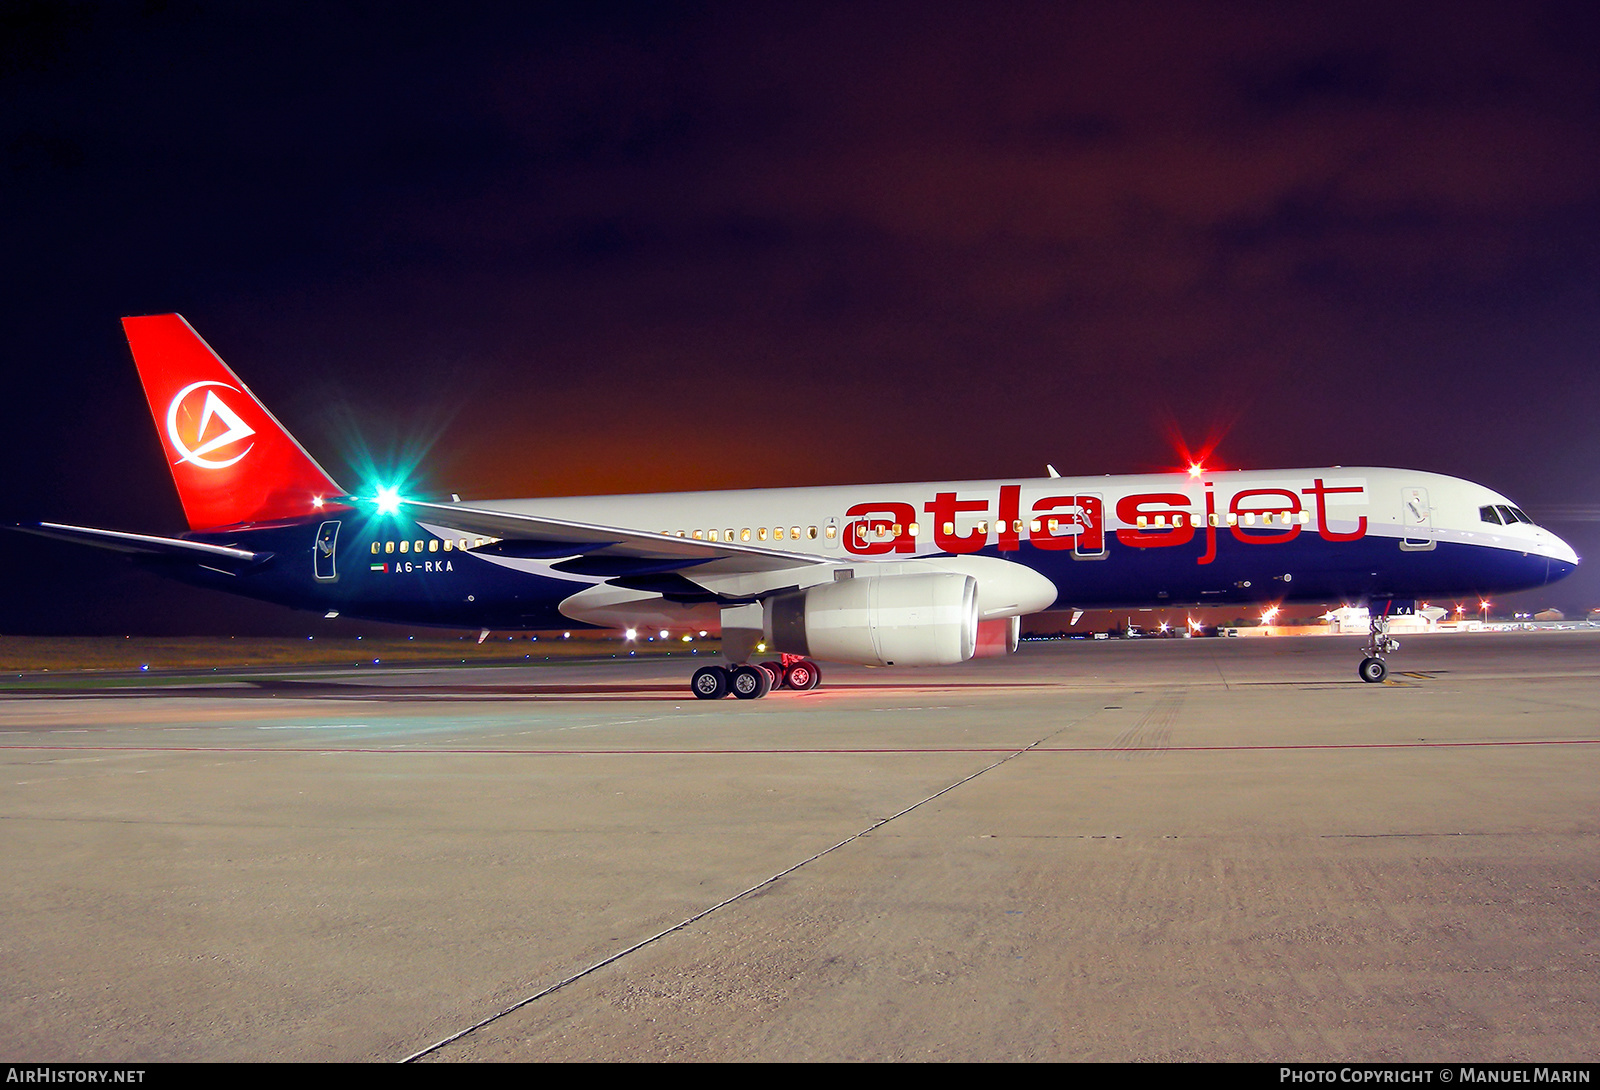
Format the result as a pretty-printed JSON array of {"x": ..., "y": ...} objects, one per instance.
[
  {"x": 803, "y": 675},
  {"x": 775, "y": 671},
  {"x": 750, "y": 682},
  {"x": 1379, "y": 643},
  {"x": 710, "y": 683}
]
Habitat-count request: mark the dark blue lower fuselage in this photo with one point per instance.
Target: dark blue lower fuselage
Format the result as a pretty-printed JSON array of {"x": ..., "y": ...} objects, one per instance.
[{"x": 461, "y": 589}]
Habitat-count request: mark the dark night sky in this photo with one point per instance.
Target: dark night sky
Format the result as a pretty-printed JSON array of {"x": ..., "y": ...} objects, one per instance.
[{"x": 597, "y": 248}]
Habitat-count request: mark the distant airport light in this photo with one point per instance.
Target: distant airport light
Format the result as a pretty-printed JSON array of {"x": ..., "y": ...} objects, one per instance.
[
  {"x": 631, "y": 634},
  {"x": 663, "y": 633}
]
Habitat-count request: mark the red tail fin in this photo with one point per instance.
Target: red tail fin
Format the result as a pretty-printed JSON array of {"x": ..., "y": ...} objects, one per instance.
[{"x": 231, "y": 459}]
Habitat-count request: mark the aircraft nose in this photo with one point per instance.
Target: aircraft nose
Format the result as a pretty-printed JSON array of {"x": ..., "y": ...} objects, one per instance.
[
  {"x": 1562, "y": 557},
  {"x": 1556, "y": 549}
]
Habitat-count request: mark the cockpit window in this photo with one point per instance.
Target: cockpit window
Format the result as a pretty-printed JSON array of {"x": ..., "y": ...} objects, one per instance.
[{"x": 1504, "y": 514}]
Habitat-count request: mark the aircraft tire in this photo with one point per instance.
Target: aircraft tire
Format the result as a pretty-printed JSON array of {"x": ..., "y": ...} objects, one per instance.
[
  {"x": 709, "y": 683},
  {"x": 775, "y": 669},
  {"x": 1372, "y": 670},
  {"x": 803, "y": 676},
  {"x": 750, "y": 682}
]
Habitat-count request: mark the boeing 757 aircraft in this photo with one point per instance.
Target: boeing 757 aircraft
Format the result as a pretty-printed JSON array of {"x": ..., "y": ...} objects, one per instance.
[{"x": 883, "y": 575}]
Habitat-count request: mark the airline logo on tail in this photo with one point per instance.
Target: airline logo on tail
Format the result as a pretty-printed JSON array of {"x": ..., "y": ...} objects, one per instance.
[
  {"x": 232, "y": 462},
  {"x": 212, "y": 409}
]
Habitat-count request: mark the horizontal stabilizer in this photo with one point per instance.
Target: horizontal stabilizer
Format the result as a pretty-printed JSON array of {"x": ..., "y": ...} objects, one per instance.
[{"x": 171, "y": 548}]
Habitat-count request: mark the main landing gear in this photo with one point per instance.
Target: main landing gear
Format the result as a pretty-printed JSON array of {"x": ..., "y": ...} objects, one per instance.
[
  {"x": 752, "y": 681},
  {"x": 1379, "y": 643}
]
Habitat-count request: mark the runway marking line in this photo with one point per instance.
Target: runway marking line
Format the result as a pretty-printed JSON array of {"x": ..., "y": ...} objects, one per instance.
[
  {"x": 436, "y": 751},
  {"x": 1010, "y": 754}
]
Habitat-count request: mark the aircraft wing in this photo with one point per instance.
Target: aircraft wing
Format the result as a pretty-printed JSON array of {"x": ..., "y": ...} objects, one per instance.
[
  {"x": 146, "y": 545},
  {"x": 582, "y": 548}
]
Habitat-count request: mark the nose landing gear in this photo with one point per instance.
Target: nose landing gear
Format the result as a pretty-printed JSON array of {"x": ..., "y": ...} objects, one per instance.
[{"x": 1379, "y": 642}]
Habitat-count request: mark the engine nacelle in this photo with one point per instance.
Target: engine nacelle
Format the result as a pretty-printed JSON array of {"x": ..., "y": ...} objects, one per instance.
[
  {"x": 997, "y": 639},
  {"x": 926, "y": 619}
]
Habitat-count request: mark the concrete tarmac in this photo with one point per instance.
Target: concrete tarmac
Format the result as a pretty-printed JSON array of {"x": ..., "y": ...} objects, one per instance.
[{"x": 1225, "y": 849}]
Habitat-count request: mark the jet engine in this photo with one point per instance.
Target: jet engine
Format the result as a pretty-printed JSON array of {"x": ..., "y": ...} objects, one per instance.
[
  {"x": 925, "y": 619},
  {"x": 997, "y": 639}
]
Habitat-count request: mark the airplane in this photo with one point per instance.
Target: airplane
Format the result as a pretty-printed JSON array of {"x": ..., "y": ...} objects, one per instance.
[{"x": 919, "y": 574}]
